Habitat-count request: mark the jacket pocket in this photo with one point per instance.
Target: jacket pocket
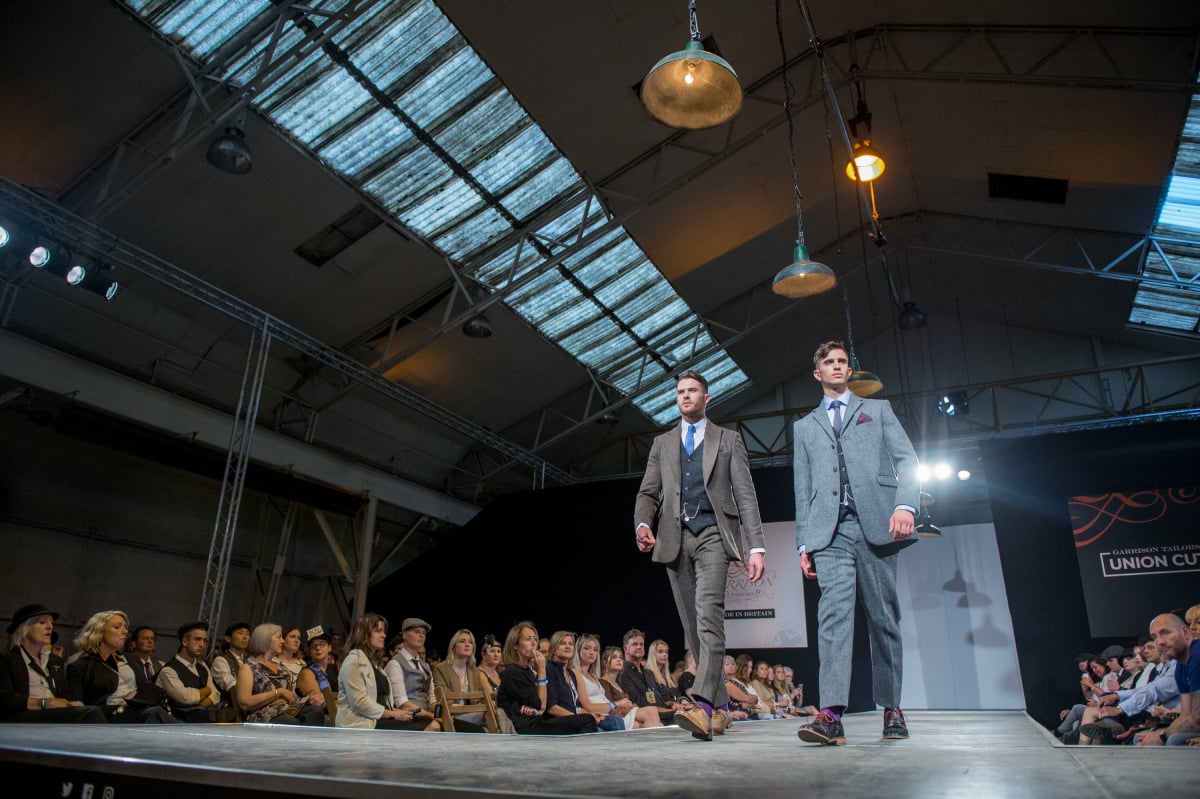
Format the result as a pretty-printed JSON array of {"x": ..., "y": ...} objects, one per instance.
[{"x": 888, "y": 480}]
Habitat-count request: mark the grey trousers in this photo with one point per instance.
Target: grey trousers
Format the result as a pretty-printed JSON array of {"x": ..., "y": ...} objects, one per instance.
[
  {"x": 846, "y": 569},
  {"x": 698, "y": 580}
]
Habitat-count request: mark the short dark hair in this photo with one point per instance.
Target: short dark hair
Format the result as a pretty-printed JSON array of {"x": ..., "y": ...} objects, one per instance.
[
  {"x": 826, "y": 348},
  {"x": 633, "y": 632},
  {"x": 692, "y": 374},
  {"x": 138, "y": 630}
]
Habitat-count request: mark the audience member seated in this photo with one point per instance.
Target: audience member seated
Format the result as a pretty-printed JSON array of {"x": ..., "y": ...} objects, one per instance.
[
  {"x": 187, "y": 681},
  {"x": 141, "y": 655},
  {"x": 227, "y": 662},
  {"x": 491, "y": 661},
  {"x": 102, "y": 677},
  {"x": 410, "y": 677},
  {"x": 1175, "y": 641},
  {"x": 658, "y": 676},
  {"x": 292, "y": 658},
  {"x": 324, "y": 668},
  {"x": 1116, "y": 712},
  {"x": 1070, "y": 718},
  {"x": 633, "y": 674},
  {"x": 364, "y": 692},
  {"x": 685, "y": 675},
  {"x": 33, "y": 679},
  {"x": 612, "y": 664},
  {"x": 1192, "y": 617},
  {"x": 524, "y": 688},
  {"x": 743, "y": 702},
  {"x": 760, "y": 684},
  {"x": 593, "y": 697},
  {"x": 458, "y": 672},
  {"x": 266, "y": 689}
]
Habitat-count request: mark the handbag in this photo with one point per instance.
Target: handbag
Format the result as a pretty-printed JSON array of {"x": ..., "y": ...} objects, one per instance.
[{"x": 611, "y": 724}]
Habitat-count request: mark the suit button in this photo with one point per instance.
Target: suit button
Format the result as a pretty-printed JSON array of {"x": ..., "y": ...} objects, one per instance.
[{"x": 834, "y": 493}]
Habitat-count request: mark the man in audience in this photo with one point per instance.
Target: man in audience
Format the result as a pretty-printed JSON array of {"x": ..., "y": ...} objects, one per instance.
[
  {"x": 1070, "y": 719},
  {"x": 416, "y": 674},
  {"x": 226, "y": 662},
  {"x": 323, "y": 667},
  {"x": 186, "y": 680},
  {"x": 33, "y": 679},
  {"x": 1117, "y": 711},
  {"x": 1174, "y": 639},
  {"x": 141, "y": 657}
]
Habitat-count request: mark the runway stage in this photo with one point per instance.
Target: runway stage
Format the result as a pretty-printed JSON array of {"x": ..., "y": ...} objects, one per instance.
[{"x": 977, "y": 754}]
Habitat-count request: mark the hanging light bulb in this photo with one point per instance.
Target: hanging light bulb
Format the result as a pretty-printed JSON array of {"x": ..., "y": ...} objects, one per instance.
[
  {"x": 867, "y": 159},
  {"x": 692, "y": 88},
  {"x": 861, "y": 382}
]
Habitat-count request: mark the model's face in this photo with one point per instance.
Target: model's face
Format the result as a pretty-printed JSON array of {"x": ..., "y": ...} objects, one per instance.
[
  {"x": 833, "y": 371},
  {"x": 690, "y": 398},
  {"x": 115, "y": 632},
  {"x": 589, "y": 650},
  {"x": 144, "y": 643},
  {"x": 527, "y": 643},
  {"x": 464, "y": 647},
  {"x": 240, "y": 639}
]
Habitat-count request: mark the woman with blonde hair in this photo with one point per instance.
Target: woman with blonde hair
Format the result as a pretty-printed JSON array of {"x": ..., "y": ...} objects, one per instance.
[
  {"x": 101, "y": 676},
  {"x": 597, "y": 698},
  {"x": 658, "y": 675},
  {"x": 458, "y": 672},
  {"x": 524, "y": 688}
]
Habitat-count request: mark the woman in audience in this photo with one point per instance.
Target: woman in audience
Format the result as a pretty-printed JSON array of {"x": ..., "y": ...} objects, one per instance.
[
  {"x": 524, "y": 688},
  {"x": 742, "y": 701},
  {"x": 592, "y": 697},
  {"x": 291, "y": 658},
  {"x": 459, "y": 673},
  {"x": 565, "y": 694},
  {"x": 100, "y": 676},
  {"x": 658, "y": 676},
  {"x": 760, "y": 684},
  {"x": 491, "y": 657},
  {"x": 364, "y": 693},
  {"x": 266, "y": 690},
  {"x": 1192, "y": 617},
  {"x": 612, "y": 663}
]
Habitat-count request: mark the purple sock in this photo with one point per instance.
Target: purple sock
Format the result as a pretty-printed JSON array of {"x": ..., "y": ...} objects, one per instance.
[
  {"x": 835, "y": 711},
  {"x": 704, "y": 705}
]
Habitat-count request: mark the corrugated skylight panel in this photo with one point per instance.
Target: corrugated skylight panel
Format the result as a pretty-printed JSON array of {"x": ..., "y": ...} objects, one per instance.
[
  {"x": 378, "y": 137},
  {"x": 201, "y": 26},
  {"x": 477, "y": 133},
  {"x": 432, "y": 99},
  {"x": 473, "y": 234},
  {"x": 320, "y": 106},
  {"x": 394, "y": 39},
  {"x": 1181, "y": 211}
]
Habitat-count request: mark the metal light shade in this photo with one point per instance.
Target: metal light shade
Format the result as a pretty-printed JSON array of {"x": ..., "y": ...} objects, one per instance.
[
  {"x": 804, "y": 277},
  {"x": 229, "y": 152},
  {"x": 861, "y": 382},
  {"x": 870, "y": 162},
  {"x": 477, "y": 327},
  {"x": 926, "y": 528},
  {"x": 911, "y": 317},
  {"x": 692, "y": 88}
]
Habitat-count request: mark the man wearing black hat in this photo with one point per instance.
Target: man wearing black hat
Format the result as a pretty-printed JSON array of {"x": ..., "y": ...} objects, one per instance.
[
  {"x": 32, "y": 678},
  {"x": 186, "y": 680},
  {"x": 410, "y": 676},
  {"x": 226, "y": 663}
]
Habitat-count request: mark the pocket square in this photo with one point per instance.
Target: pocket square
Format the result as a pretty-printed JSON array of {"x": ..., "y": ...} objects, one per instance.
[{"x": 862, "y": 419}]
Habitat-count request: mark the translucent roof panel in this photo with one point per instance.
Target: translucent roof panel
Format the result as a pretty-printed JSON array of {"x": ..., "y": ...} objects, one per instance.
[
  {"x": 400, "y": 106},
  {"x": 1175, "y": 254}
]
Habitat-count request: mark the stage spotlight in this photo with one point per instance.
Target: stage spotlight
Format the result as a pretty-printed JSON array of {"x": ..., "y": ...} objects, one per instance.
[
  {"x": 39, "y": 256},
  {"x": 954, "y": 404},
  {"x": 98, "y": 281},
  {"x": 964, "y": 474},
  {"x": 924, "y": 472},
  {"x": 4, "y": 236},
  {"x": 76, "y": 274},
  {"x": 941, "y": 471}
]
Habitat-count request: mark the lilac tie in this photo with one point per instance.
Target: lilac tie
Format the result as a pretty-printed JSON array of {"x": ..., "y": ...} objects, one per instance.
[{"x": 837, "y": 416}]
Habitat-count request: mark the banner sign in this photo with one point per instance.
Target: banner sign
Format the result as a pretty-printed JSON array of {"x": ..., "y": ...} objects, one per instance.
[
  {"x": 770, "y": 613},
  {"x": 1139, "y": 555}
]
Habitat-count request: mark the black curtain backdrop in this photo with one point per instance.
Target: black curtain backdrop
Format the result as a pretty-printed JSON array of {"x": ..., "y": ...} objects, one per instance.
[{"x": 1030, "y": 480}]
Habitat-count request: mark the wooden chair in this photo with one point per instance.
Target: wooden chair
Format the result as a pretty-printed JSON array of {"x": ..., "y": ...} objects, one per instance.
[{"x": 476, "y": 702}]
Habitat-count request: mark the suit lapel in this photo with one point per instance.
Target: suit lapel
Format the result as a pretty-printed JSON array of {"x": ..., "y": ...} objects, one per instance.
[
  {"x": 820, "y": 417},
  {"x": 712, "y": 443}
]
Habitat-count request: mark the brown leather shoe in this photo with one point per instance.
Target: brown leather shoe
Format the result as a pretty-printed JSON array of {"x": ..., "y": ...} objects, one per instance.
[
  {"x": 720, "y": 721},
  {"x": 696, "y": 721}
]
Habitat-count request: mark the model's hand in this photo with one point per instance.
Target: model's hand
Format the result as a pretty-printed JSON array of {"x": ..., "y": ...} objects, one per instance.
[
  {"x": 645, "y": 539},
  {"x": 807, "y": 567},
  {"x": 902, "y": 524},
  {"x": 756, "y": 566}
]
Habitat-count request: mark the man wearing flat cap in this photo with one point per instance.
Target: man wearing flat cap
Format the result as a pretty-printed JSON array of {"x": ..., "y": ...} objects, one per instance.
[
  {"x": 32, "y": 678},
  {"x": 410, "y": 676},
  {"x": 187, "y": 680}
]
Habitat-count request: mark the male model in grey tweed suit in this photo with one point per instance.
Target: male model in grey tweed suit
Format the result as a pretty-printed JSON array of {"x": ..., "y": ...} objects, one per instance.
[
  {"x": 853, "y": 514},
  {"x": 701, "y": 504}
]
